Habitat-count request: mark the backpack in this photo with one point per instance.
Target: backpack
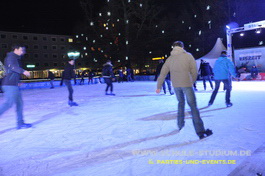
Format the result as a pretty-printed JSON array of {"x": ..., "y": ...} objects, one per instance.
[{"x": 2, "y": 70}]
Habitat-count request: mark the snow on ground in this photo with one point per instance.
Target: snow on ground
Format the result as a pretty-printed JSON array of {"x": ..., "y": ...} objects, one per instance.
[{"x": 130, "y": 134}]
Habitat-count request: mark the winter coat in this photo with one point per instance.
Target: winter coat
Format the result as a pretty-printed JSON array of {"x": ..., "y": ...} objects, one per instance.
[
  {"x": 68, "y": 72},
  {"x": 158, "y": 70},
  {"x": 205, "y": 69},
  {"x": 13, "y": 70},
  {"x": 51, "y": 75},
  {"x": 182, "y": 68},
  {"x": 223, "y": 68},
  {"x": 107, "y": 71}
]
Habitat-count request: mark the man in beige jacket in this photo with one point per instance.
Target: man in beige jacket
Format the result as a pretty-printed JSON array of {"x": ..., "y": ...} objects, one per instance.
[{"x": 183, "y": 71}]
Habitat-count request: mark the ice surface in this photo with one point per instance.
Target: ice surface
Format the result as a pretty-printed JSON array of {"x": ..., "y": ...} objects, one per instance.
[{"x": 124, "y": 134}]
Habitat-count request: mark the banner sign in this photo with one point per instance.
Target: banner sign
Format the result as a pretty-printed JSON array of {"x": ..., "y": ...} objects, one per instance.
[
  {"x": 255, "y": 25},
  {"x": 249, "y": 57}
]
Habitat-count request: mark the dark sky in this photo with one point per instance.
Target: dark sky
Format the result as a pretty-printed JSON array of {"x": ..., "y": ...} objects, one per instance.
[
  {"x": 60, "y": 16},
  {"x": 39, "y": 16}
]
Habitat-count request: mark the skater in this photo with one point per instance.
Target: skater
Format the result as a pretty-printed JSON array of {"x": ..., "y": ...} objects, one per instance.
[
  {"x": 223, "y": 69},
  {"x": 51, "y": 77},
  {"x": 10, "y": 84},
  {"x": 108, "y": 76},
  {"x": 167, "y": 79},
  {"x": 68, "y": 74},
  {"x": 182, "y": 67},
  {"x": 91, "y": 75},
  {"x": 121, "y": 75},
  {"x": 129, "y": 74},
  {"x": 206, "y": 72},
  {"x": 83, "y": 74},
  {"x": 254, "y": 72}
]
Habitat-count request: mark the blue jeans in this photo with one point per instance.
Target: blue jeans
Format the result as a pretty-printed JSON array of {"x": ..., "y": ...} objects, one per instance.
[
  {"x": 70, "y": 88},
  {"x": 227, "y": 86},
  {"x": 13, "y": 95},
  {"x": 181, "y": 92}
]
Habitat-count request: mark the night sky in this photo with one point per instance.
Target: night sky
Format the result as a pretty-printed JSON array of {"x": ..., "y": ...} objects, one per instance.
[
  {"x": 52, "y": 17},
  {"x": 60, "y": 16}
]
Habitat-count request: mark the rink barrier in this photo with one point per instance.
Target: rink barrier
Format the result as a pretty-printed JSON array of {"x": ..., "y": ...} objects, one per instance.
[{"x": 44, "y": 83}]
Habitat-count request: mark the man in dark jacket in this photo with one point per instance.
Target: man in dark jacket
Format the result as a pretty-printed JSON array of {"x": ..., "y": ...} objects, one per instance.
[
  {"x": 206, "y": 72},
  {"x": 51, "y": 77},
  {"x": 167, "y": 79},
  {"x": 108, "y": 75},
  {"x": 10, "y": 84},
  {"x": 68, "y": 74}
]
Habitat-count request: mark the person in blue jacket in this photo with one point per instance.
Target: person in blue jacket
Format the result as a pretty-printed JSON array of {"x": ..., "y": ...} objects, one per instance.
[{"x": 223, "y": 70}]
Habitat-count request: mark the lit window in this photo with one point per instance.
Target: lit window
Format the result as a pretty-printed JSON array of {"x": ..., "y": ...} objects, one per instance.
[
  {"x": 108, "y": 13},
  {"x": 195, "y": 16},
  {"x": 183, "y": 22},
  {"x": 208, "y": 7},
  {"x": 260, "y": 42},
  {"x": 200, "y": 32},
  {"x": 100, "y": 14},
  {"x": 197, "y": 49},
  {"x": 91, "y": 23},
  {"x": 141, "y": 5},
  {"x": 163, "y": 32}
]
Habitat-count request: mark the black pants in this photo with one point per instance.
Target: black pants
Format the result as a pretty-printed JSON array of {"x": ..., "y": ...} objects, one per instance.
[
  {"x": 108, "y": 81},
  {"x": 70, "y": 88},
  {"x": 227, "y": 85},
  {"x": 204, "y": 81}
]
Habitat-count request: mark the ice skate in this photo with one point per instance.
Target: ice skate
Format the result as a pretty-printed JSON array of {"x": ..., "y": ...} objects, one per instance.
[
  {"x": 71, "y": 103},
  {"x": 206, "y": 134},
  {"x": 24, "y": 126}
]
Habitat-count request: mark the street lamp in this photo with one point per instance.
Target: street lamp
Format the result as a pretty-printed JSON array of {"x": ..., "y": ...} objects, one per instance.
[{"x": 73, "y": 55}]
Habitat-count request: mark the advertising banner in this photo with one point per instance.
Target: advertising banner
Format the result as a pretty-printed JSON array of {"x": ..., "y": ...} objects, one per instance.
[{"x": 249, "y": 57}]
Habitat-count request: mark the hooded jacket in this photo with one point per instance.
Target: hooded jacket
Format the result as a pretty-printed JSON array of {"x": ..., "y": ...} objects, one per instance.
[
  {"x": 223, "y": 68},
  {"x": 13, "y": 70},
  {"x": 68, "y": 73},
  {"x": 182, "y": 68},
  {"x": 107, "y": 71},
  {"x": 205, "y": 69}
]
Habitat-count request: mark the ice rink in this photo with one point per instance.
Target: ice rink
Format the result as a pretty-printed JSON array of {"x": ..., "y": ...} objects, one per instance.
[{"x": 133, "y": 133}]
